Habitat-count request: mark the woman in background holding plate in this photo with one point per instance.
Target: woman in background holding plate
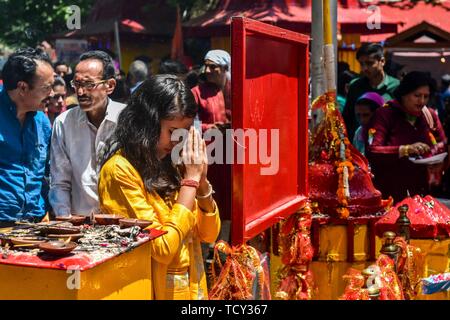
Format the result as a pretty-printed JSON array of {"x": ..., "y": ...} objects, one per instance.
[{"x": 406, "y": 128}]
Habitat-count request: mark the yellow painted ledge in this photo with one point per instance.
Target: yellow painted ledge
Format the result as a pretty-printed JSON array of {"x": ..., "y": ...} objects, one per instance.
[{"x": 124, "y": 277}]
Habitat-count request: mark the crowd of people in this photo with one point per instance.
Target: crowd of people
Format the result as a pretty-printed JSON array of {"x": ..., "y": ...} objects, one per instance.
[
  {"x": 88, "y": 138},
  {"x": 395, "y": 121},
  {"x": 70, "y": 146}
]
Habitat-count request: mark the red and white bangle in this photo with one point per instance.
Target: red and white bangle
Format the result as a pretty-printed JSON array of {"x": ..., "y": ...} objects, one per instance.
[{"x": 190, "y": 183}]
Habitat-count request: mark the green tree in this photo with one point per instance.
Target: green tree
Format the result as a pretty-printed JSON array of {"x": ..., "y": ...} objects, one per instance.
[
  {"x": 28, "y": 22},
  {"x": 193, "y": 8}
]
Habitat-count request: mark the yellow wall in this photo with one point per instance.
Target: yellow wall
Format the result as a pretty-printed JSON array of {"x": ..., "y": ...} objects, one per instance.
[
  {"x": 331, "y": 266},
  {"x": 347, "y": 54},
  {"x": 155, "y": 50},
  {"x": 125, "y": 277},
  {"x": 223, "y": 43}
]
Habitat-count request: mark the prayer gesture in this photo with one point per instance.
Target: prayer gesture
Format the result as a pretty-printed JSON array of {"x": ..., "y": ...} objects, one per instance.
[{"x": 194, "y": 156}]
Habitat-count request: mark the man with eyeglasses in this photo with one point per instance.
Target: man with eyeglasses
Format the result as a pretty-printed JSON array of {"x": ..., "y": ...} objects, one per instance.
[
  {"x": 24, "y": 136},
  {"x": 79, "y": 136},
  {"x": 373, "y": 79}
]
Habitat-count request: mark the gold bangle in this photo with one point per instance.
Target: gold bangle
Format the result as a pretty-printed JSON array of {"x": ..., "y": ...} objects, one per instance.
[{"x": 404, "y": 151}]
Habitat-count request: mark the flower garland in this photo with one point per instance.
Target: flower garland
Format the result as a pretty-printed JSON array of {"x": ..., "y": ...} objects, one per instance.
[
  {"x": 331, "y": 135},
  {"x": 345, "y": 169},
  {"x": 243, "y": 266},
  {"x": 432, "y": 138},
  {"x": 409, "y": 267},
  {"x": 371, "y": 134},
  {"x": 295, "y": 280}
]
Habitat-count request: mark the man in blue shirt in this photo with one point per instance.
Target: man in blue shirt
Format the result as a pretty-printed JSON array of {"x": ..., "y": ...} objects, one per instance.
[{"x": 25, "y": 133}]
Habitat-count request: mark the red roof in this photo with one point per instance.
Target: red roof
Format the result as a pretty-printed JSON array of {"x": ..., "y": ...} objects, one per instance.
[
  {"x": 410, "y": 16},
  {"x": 438, "y": 15},
  {"x": 291, "y": 14}
]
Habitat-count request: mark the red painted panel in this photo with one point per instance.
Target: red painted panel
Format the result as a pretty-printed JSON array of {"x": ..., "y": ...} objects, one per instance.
[{"x": 270, "y": 92}]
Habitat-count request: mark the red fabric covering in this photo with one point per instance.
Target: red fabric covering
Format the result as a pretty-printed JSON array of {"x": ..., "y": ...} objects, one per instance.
[
  {"x": 440, "y": 214},
  {"x": 422, "y": 224},
  {"x": 323, "y": 183},
  {"x": 324, "y": 179}
]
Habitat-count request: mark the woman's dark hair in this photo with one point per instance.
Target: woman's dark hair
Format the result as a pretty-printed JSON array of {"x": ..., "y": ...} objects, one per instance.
[
  {"x": 412, "y": 81},
  {"x": 172, "y": 67},
  {"x": 121, "y": 92},
  {"x": 162, "y": 97},
  {"x": 59, "y": 82},
  {"x": 108, "y": 65},
  {"x": 369, "y": 103},
  {"x": 21, "y": 66},
  {"x": 345, "y": 78}
]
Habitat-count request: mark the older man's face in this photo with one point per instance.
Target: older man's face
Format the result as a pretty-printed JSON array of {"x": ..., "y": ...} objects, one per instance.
[
  {"x": 91, "y": 89},
  {"x": 214, "y": 72}
]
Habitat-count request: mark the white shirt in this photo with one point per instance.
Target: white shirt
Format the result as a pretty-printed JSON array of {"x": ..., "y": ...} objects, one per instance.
[{"x": 74, "y": 159}]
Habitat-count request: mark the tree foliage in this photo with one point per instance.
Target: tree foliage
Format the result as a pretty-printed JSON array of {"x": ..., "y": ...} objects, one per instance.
[
  {"x": 194, "y": 8},
  {"x": 28, "y": 22}
]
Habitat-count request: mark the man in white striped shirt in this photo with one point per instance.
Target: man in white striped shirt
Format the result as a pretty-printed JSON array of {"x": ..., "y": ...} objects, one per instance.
[{"x": 79, "y": 136}]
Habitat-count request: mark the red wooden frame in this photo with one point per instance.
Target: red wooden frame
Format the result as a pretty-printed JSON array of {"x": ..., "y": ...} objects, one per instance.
[{"x": 258, "y": 201}]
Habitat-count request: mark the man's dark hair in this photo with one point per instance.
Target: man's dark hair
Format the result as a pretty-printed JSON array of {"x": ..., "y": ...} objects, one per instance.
[
  {"x": 108, "y": 66},
  {"x": 172, "y": 67},
  {"x": 370, "y": 49},
  {"x": 21, "y": 66},
  {"x": 60, "y": 63}
]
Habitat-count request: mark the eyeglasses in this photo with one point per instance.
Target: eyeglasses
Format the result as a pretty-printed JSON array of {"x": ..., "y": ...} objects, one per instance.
[{"x": 86, "y": 85}]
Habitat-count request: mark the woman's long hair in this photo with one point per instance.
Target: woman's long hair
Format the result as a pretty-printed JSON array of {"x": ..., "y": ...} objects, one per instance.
[{"x": 162, "y": 97}]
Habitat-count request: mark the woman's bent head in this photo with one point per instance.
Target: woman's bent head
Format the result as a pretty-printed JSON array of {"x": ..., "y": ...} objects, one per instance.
[
  {"x": 159, "y": 106},
  {"x": 414, "y": 92}
]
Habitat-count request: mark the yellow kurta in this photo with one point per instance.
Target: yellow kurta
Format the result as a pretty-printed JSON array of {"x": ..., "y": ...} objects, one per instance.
[{"x": 177, "y": 263}]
